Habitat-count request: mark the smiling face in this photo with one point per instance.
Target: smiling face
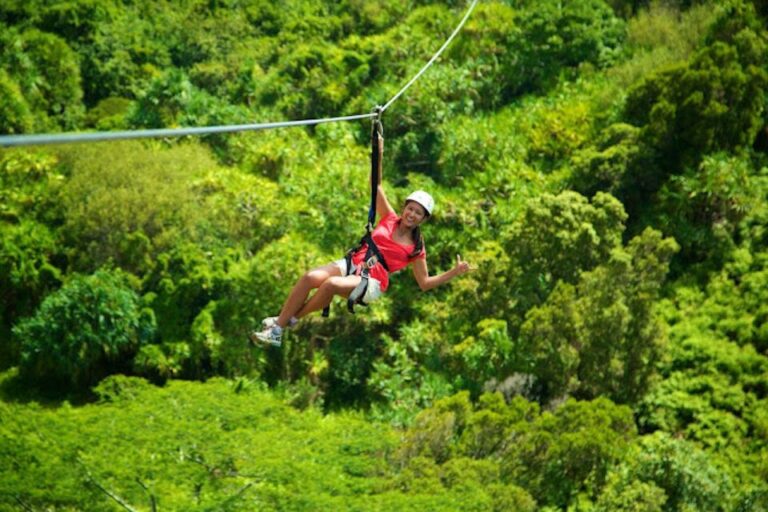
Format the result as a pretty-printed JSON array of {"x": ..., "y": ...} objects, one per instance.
[{"x": 413, "y": 214}]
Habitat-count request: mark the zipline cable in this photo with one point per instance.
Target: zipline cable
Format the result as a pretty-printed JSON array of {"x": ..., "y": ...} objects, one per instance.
[
  {"x": 77, "y": 137},
  {"x": 68, "y": 138},
  {"x": 433, "y": 59}
]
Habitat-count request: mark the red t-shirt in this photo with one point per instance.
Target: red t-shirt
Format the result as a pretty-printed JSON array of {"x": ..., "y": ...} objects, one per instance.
[{"x": 395, "y": 254}]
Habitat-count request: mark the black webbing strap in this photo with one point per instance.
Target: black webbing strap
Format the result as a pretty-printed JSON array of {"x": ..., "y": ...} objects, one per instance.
[
  {"x": 372, "y": 250},
  {"x": 377, "y": 131}
]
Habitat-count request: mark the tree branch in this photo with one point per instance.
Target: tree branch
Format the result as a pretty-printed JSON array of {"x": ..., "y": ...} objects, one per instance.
[
  {"x": 24, "y": 505},
  {"x": 106, "y": 491},
  {"x": 152, "y": 499}
]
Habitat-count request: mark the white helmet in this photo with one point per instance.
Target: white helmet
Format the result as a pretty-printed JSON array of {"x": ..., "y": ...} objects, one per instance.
[{"x": 424, "y": 199}]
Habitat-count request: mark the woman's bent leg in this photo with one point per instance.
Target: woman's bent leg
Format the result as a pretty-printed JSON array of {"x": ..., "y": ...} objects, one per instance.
[
  {"x": 335, "y": 285},
  {"x": 298, "y": 296}
]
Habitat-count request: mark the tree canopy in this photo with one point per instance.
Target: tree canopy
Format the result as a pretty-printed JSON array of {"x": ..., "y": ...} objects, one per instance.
[{"x": 601, "y": 164}]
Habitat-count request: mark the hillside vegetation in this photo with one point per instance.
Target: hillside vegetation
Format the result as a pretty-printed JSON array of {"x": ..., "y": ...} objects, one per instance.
[{"x": 601, "y": 163}]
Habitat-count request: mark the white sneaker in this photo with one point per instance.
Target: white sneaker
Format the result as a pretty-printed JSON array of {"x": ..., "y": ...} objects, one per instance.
[
  {"x": 268, "y": 322},
  {"x": 272, "y": 320},
  {"x": 269, "y": 336}
]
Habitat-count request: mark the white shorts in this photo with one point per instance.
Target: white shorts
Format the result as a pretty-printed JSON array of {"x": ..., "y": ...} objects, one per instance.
[
  {"x": 373, "y": 291},
  {"x": 342, "y": 264}
]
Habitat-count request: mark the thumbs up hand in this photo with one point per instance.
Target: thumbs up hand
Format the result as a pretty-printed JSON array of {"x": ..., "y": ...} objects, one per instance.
[{"x": 462, "y": 267}]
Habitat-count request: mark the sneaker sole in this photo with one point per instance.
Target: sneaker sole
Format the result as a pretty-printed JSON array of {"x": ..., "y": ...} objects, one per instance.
[{"x": 258, "y": 342}]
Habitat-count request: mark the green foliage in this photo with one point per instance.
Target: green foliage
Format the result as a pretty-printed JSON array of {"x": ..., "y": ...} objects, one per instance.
[
  {"x": 184, "y": 280},
  {"x": 630, "y": 496},
  {"x": 311, "y": 184},
  {"x": 662, "y": 25},
  {"x": 160, "y": 362},
  {"x": 130, "y": 210},
  {"x": 555, "y": 131},
  {"x": 400, "y": 386},
  {"x": 310, "y": 81},
  {"x": 84, "y": 331},
  {"x": 712, "y": 103},
  {"x": 604, "y": 167},
  {"x": 76, "y": 20},
  {"x": 557, "y": 237},
  {"x": 555, "y": 36},
  {"x": 172, "y": 100},
  {"x": 569, "y": 450},
  {"x": 108, "y": 114},
  {"x": 27, "y": 274},
  {"x": 27, "y": 180},
  {"x": 600, "y": 337},
  {"x": 503, "y": 150},
  {"x": 224, "y": 445},
  {"x": 126, "y": 47},
  {"x": 713, "y": 378},
  {"x": 486, "y": 354},
  {"x": 659, "y": 36},
  {"x": 702, "y": 208},
  {"x": 29, "y": 253},
  {"x": 552, "y": 455},
  {"x": 659, "y": 104},
  {"x": 47, "y": 72},
  {"x": 686, "y": 475},
  {"x": 15, "y": 114},
  {"x": 483, "y": 50},
  {"x": 165, "y": 101},
  {"x": 731, "y": 305}
]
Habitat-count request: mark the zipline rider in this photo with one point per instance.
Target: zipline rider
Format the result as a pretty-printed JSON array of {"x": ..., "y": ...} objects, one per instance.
[{"x": 363, "y": 274}]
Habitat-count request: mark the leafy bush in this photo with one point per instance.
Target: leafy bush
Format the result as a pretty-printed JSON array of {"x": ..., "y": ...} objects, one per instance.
[
  {"x": 557, "y": 36},
  {"x": 569, "y": 450},
  {"x": 578, "y": 442},
  {"x": 27, "y": 274},
  {"x": 310, "y": 81},
  {"x": 399, "y": 386},
  {"x": 47, "y": 71},
  {"x": 27, "y": 182},
  {"x": 662, "y": 25},
  {"x": 226, "y": 445},
  {"x": 108, "y": 114},
  {"x": 604, "y": 167},
  {"x": 600, "y": 337},
  {"x": 89, "y": 328},
  {"x": 130, "y": 208},
  {"x": 688, "y": 478},
  {"x": 702, "y": 207},
  {"x": 15, "y": 114},
  {"x": 559, "y": 236},
  {"x": 709, "y": 104}
]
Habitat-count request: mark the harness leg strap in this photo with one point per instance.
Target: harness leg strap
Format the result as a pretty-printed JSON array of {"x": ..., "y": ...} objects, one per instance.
[
  {"x": 356, "y": 297},
  {"x": 349, "y": 271}
]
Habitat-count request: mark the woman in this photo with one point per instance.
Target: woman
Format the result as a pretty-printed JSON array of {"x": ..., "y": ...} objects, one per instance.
[{"x": 399, "y": 243}]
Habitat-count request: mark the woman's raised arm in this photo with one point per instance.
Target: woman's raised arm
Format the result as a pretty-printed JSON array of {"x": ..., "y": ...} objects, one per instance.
[{"x": 383, "y": 207}]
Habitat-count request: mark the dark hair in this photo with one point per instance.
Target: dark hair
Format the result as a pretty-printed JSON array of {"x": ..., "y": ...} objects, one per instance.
[{"x": 418, "y": 241}]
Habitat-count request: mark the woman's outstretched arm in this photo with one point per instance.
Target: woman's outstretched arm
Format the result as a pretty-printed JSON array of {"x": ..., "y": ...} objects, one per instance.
[{"x": 427, "y": 282}]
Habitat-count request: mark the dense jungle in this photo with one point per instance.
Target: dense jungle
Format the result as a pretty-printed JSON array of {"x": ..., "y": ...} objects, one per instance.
[{"x": 602, "y": 164}]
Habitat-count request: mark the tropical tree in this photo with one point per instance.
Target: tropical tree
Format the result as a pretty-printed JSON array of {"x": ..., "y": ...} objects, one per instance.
[{"x": 88, "y": 329}]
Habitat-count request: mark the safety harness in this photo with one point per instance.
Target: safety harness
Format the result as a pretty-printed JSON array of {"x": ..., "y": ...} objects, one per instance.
[{"x": 373, "y": 256}]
